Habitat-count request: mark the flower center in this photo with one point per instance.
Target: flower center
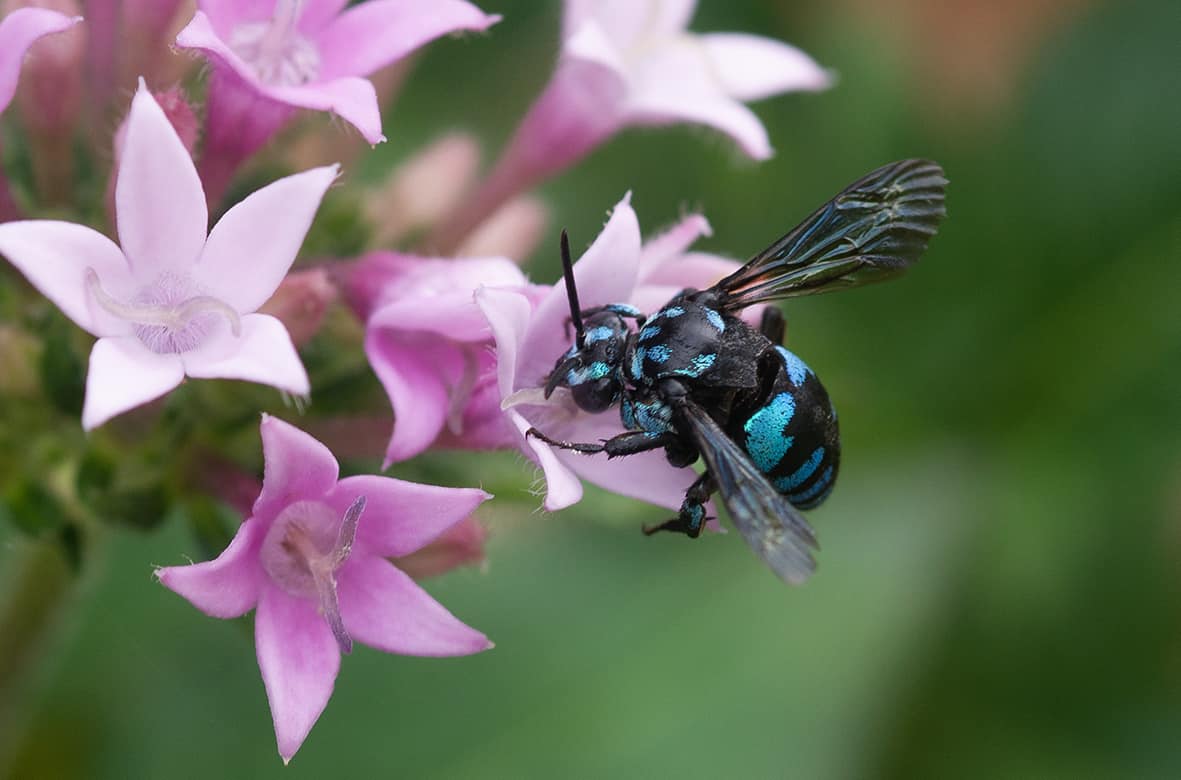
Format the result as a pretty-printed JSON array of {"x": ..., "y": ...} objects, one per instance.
[
  {"x": 275, "y": 50},
  {"x": 168, "y": 317},
  {"x": 304, "y": 549}
]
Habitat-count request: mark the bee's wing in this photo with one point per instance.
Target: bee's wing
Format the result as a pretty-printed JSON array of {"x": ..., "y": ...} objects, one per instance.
[
  {"x": 771, "y": 526},
  {"x": 872, "y": 230}
]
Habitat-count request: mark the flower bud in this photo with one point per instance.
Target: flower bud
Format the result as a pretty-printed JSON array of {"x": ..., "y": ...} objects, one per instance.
[
  {"x": 424, "y": 188},
  {"x": 460, "y": 545},
  {"x": 301, "y": 302}
]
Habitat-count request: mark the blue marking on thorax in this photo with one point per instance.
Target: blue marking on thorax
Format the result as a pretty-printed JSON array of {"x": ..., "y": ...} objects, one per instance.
[
  {"x": 800, "y": 475},
  {"x": 699, "y": 365},
  {"x": 654, "y": 416},
  {"x": 716, "y": 320},
  {"x": 649, "y": 332},
  {"x": 673, "y": 311},
  {"x": 659, "y": 353},
  {"x": 598, "y": 334},
  {"x": 638, "y": 363},
  {"x": 623, "y": 309},
  {"x": 765, "y": 439},
  {"x": 797, "y": 371},
  {"x": 818, "y": 490}
]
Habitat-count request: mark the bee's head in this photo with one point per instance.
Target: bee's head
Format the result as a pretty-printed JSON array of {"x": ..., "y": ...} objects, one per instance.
[{"x": 591, "y": 367}]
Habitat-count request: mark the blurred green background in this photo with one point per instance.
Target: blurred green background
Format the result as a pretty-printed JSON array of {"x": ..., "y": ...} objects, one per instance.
[{"x": 1000, "y": 583}]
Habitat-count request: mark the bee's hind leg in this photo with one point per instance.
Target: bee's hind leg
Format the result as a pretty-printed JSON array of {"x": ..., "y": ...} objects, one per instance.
[{"x": 691, "y": 519}]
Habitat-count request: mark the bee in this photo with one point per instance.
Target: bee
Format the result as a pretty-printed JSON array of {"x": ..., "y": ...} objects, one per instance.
[{"x": 697, "y": 381}]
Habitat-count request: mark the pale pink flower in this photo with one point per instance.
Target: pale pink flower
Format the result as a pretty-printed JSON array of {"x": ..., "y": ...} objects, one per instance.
[
  {"x": 431, "y": 347},
  {"x": 634, "y": 62},
  {"x": 311, "y": 560},
  {"x": 531, "y": 335},
  {"x": 18, "y": 31},
  {"x": 276, "y": 56},
  {"x": 172, "y": 302}
]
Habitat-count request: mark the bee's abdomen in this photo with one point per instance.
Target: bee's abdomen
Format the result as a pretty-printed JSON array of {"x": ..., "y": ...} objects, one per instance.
[{"x": 792, "y": 435}]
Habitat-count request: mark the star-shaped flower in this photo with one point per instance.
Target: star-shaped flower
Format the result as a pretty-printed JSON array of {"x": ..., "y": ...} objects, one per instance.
[
  {"x": 311, "y": 560},
  {"x": 315, "y": 53},
  {"x": 530, "y": 337},
  {"x": 172, "y": 302},
  {"x": 18, "y": 31},
  {"x": 654, "y": 71}
]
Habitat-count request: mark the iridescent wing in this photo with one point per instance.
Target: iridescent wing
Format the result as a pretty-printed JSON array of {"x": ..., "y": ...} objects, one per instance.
[
  {"x": 772, "y": 527},
  {"x": 871, "y": 231}
]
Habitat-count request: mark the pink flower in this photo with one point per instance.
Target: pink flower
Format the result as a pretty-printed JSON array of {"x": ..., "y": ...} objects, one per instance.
[
  {"x": 530, "y": 337},
  {"x": 18, "y": 31},
  {"x": 311, "y": 560},
  {"x": 315, "y": 53},
  {"x": 650, "y": 70},
  {"x": 172, "y": 302},
  {"x": 431, "y": 347},
  {"x": 634, "y": 62}
]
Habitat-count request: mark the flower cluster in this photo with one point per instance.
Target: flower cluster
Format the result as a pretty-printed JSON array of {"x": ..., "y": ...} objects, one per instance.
[{"x": 454, "y": 330}]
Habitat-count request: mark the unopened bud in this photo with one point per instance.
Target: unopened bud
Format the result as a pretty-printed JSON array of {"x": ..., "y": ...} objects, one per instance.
[
  {"x": 514, "y": 231},
  {"x": 424, "y": 188},
  {"x": 461, "y": 545},
  {"x": 301, "y": 302}
]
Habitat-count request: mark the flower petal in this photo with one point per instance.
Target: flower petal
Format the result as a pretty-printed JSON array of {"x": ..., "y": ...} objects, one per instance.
[
  {"x": 428, "y": 294},
  {"x": 299, "y": 659},
  {"x": 646, "y": 476},
  {"x": 383, "y": 608},
  {"x": 252, "y": 247},
  {"x": 18, "y": 31},
  {"x": 54, "y": 257},
  {"x": 263, "y": 353},
  {"x": 228, "y": 586},
  {"x": 210, "y": 34},
  {"x": 606, "y": 273},
  {"x": 351, "y": 98},
  {"x": 354, "y": 99},
  {"x": 627, "y": 21},
  {"x": 671, "y": 244},
  {"x": 562, "y": 487},
  {"x": 508, "y": 314},
  {"x": 413, "y": 379},
  {"x": 225, "y": 15},
  {"x": 676, "y": 82},
  {"x": 159, "y": 202},
  {"x": 124, "y": 374},
  {"x": 402, "y": 517},
  {"x": 376, "y": 33},
  {"x": 318, "y": 13},
  {"x": 297, "y": 467},
  {"x": 721, "y": 113},
  {"x": 751, "y": 67}
]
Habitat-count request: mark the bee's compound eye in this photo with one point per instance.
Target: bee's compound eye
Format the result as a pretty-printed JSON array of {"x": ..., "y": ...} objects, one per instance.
[{"x": 595, "y": 396}]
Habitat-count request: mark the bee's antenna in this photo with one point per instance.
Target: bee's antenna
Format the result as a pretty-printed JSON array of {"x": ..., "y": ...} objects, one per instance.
[{"x": 571, "y": 290}]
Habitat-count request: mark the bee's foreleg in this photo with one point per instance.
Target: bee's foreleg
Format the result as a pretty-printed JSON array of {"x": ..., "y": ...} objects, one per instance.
[
  {"x": 629, "y": 443},
  {"x": 691, "y": 519}
]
